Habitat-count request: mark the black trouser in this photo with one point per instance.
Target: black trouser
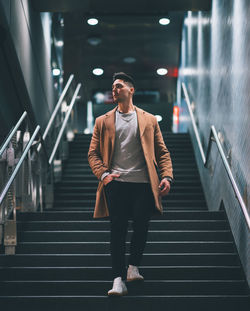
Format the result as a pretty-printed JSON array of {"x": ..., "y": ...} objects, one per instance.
[{"x": 128, "y": 200}]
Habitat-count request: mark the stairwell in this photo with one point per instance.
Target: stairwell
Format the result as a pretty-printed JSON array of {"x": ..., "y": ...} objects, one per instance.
[{"x": 63, "y": 262}]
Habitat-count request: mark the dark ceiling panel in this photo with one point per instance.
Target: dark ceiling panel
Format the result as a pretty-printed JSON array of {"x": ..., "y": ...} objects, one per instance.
[
  {"x": 125, "y": 29},
  {"x": 116, "y": 8},
  {"x": 151, "y": 44},
  {"x": 142, "y": 37}
]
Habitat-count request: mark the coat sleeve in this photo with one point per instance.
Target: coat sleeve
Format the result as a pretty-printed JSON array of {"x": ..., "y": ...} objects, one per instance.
[
  {"x": 94, "y": 153},
  {"x": 162, "y": 154}
]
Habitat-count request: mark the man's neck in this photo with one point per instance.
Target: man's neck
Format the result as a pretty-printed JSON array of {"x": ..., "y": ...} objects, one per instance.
[{"x": 126, "y": 107}]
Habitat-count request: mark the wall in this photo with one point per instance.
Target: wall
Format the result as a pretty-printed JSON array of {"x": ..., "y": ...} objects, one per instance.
[
  {"x": 215, "y": 66},
  {"x": 24, "y": 27}
]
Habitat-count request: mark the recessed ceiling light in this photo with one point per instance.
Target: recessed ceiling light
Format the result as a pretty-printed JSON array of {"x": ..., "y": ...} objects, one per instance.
[
  {"x": 94, "y": 40},
  {"x": 98, "y": 71},
  {"x": 129, "y": 60},
  {"x": 86, "y": 131},
  {"x": 64, "y": 107},
  {"x": 164, "y": 21},
  {"x": 92, "y": 21},
  {"x": 158, "y": 118},
  {"x": 162, "y": 71},
  {"x": 56, "y": 72},
  {"x": 99, "y": 97},
  {"x": 59, "y": 43}
]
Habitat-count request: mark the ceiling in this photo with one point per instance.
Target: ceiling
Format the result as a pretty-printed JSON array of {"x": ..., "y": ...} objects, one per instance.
[
  {"x": 125, "y": 29},
  {"x": 128, "y": 6}
]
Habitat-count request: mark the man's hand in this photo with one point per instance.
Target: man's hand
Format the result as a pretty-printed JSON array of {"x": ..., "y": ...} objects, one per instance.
[
  {"x": 164, "y": 187},
  {"x": 109, "y": 178}
]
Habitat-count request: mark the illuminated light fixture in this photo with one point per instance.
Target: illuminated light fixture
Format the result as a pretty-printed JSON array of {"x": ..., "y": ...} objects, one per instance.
[
  {"x": 98, "y": 71},
  {"x": 164, "y": 21},
  {"x": 59, "y": 43},
  {"x": 86, "y": 131},
  {"x": 99, "y": 97},
  {"x": 94, "y": 40},
  {"x": 92, "y": 21},
  {"x": 162, "y": 71},
  {"x": 129, "y": 60},
  {"x": 70, "y": 135},
  {"x": 64, "y": 107},
  {"x": 193, "y": 21},
  {"x": 56, "y": 72},
  {"x": 176, "y": 113},
  {"x": 158, "y": 118}
]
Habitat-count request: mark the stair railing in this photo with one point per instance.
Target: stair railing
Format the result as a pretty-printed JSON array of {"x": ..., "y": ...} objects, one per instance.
[
  {"x": 59, "y": 137},
  {"x": 60, "y": 146},
  {"x": 214, "y": 138},
  {"x": 56, "y": 109},
  {"x": 13, "y": 154},
  {"x": 62, "y": 121},
  {"x": 28, "y": 169}
]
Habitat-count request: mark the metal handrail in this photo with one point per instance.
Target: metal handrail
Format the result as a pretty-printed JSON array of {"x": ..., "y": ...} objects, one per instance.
[
  {"x": 51, "y": 120},
  {"x": 10, "y": 225},
  {"x": 12, "y": 132},
  {"x": 214, "y": 137},
  {"x": 13, "y": 175},
  {"x": 64, "y": 123},
  {"x": 194, "y": 124},
  {"x": 7, "y": 186}
]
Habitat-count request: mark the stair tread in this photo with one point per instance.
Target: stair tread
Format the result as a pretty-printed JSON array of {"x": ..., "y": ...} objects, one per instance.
[
  {"x": 124, "y": 297},
  {"x": 106, "y": 221},
  {"x": 149, "y": 242},
  {"x": 105, "y": 231},
  {"x": 109, "y": 267},
  {"x": 110, "y": 281}
]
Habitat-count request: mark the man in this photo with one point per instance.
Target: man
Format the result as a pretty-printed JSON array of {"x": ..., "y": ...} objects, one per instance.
[{"x": 125, "y": 150}]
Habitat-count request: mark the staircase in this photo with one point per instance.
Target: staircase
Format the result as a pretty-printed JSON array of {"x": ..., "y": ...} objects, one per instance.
[{"x": 63, "y": 261}]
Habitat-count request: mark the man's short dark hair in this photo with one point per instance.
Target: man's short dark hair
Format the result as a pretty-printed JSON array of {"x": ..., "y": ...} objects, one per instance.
[{"x": 125, "y": 77}]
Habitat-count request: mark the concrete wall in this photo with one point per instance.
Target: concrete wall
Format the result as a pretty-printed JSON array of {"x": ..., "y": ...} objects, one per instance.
[
  {"x": 26, "y": 30},
  {"x": 215, "y": 66}
]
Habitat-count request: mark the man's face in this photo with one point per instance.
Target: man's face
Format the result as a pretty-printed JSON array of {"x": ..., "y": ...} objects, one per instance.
[{"x": 121, "y": 91}]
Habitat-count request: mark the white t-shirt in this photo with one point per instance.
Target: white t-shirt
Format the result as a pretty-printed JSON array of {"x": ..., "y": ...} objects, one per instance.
[{"x": 128, "y": 158}]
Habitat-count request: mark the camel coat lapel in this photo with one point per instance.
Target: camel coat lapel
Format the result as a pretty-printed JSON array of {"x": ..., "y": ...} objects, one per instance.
[
  {"x": 109, "y": 123},
  {"x": 141, "y": 120}
]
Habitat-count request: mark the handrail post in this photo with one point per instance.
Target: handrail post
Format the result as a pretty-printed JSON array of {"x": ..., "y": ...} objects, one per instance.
[{"x": 209, "y": 148}]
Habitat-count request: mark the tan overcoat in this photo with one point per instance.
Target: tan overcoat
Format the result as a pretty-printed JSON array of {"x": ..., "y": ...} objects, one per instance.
[{"x": 102, "y": 147}]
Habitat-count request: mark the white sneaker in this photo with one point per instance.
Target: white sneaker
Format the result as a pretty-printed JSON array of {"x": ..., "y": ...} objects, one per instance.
[
  {"x": 133, "y": 274},
  {"x": 119, "y": 288}
]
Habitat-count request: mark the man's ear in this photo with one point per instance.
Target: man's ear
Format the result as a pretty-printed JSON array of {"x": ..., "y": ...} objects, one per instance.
[{"x": 132, "y": 90}]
